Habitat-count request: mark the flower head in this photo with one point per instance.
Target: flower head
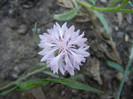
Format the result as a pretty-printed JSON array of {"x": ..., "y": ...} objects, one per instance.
[{"x": 63, "y": 48}]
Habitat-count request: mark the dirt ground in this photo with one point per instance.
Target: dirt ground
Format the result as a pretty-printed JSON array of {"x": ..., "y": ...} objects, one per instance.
[{"x": 18, "y": 50}]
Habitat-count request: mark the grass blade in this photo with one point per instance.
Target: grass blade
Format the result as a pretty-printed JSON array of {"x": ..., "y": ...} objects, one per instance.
[
  {"x": 69, "y": 15},
  {"x": 77, "y": 85},
  {"x": 34, "y": 33},
  {"x": 51, "y": 74},
  {"x": 130, "y": 4},
  {"x": 66, "y": 16},
  {"x": 7, "y": 91},
  {"x": 103, "y": 21},
  {"x": 93, "y": 1},
  {"x": 115, "y": 65},
  {"x": 32, "y": 83}
]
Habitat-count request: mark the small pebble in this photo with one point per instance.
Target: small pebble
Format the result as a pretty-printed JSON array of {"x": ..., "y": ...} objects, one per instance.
[
  {"x": 63, "y": 93},
  {"x": 120, "y": 34},
  {"x": 126, "y": 38},
  {"x": 116, "y": 28},
  {"x": 10, "y": 11},
  {"x": 13, "y": 77},
  {"x": 16, "y": 69},
  {"x": 74, "y": 91},
  {"x": 16, "y": 60},
  {"x": 22, "y": 29}
]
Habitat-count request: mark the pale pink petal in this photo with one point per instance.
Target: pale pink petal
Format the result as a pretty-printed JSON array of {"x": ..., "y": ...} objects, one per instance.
[
  {"x": 47, "y": 55},
  {"x": 63, "y": 48},
  {"x": 54, "y": 63}
]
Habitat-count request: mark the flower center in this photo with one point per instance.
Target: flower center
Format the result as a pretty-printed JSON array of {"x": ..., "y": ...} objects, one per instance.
[{"x": 63, "y": 45}]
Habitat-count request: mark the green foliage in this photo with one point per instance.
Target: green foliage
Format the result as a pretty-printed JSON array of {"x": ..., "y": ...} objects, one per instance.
[
  {"x": 115, "y": 65},
  {"x": 103, "y": 21},
  {"x": 76, "y": 85},
  {"x": 113, "y": 3},
  {"x": 109, "y": 8},
  {"x": 39, "y": 64},
  {"x": 93, "y": 1},
  {"x": 27, "y": 85},
  {"x": 42, "y": 64},
  {"x": 76, "y": 76},
  {"x": 7, "y": 91},
  {"x": 69, "y": 15},
  {"x": 31, "y": 84},
  {"x": 35, "y": 35},
  {"x": 66, "y": 16},
  {"x": 130, "y": 4},
  {"x": 51, "y": 74},
  {"x": 36, "y": 82}
]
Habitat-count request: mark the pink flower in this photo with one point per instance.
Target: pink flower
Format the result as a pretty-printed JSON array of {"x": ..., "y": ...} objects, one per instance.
[{"x": 63, "y": 48}]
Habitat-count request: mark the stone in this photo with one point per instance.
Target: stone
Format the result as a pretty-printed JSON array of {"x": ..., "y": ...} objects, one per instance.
[{"x": 22, "y": 29}]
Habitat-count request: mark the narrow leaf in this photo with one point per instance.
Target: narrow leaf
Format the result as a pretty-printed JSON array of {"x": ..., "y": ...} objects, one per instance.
[
  {"x": 76, "y": 85},
  {"x": 115, "y": 65},
  {"x": 51, "y": 74},
  {"x": 7, "y": 91},
  {"x": 42, "y": 64},
  {"x": 39, "y": 64},
  {"x": 93, "y": 1},
  {"x": 69, "y": 15},
  {"x": 113, "y": 3},
  {"x": 31, "y": 84},
  {"x": 130, "y": 4},
  {"x": 103, "y": 21},
  {"x": 34, "y": 33},
  {"x": 76, "y": 77},
  {"x": 66, "y": 16}
]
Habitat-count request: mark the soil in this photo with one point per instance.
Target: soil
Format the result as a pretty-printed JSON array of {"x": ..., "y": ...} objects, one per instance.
[{"x": 18, "y": 50}]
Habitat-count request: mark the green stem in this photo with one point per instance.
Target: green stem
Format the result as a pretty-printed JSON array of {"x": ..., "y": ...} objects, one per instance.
[
  {"x": 116, "y": 9},
  {"x": 125, "y": 74},
  {"x": 125, "y": 10},
  {"x": 123, "y": 79},
  {"x": 34, "y": 33},
  {"x": 130, "y": 4},
  {"x": 22, "y": 78},
  {"x": 123, "y": 4},
  {"x": 114, "y": 2}
]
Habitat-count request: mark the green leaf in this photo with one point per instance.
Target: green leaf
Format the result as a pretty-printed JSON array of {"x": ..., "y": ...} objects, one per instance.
[
  {"x": 66, "y": 16},
  {"x": 69, "y": 15},
  {"x": 7, "y": 91},
  {"x": 35, "y": 35},
  {"x": 76, "y": 85},
  {"x": 32, "y": 83},
  {"x": 27, "y": 85},
  {"x": 113, "y": 3},
  {"x": 93, "y": 1},
  {"x": 51, "y": 74},
  {"x": 103, "y": 21},
  {"x": 42, "y": 64},
  {"x": 115, "y": 65},
  {"x": 76, "y": 77},
  {"x": 39, "y": 64},
  {"x": 130, "y": 4},
  {"x": 131, "y": 54}
]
